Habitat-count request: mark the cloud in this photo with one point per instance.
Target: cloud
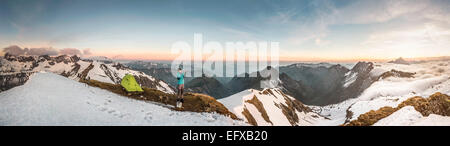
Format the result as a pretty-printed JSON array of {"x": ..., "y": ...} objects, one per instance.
[
  {"x": 324, "y": 13},
  {"x": 366, "y": 12},
  {"x": 315, "y": 25},
  {"x": 42, "y": 51},
  {"x": 87, "y": 51},
  {"x": 117, "y": 57},
  {"x": 430, "y": 39},
  {"x": 283, "y": 16},
  {"x": 321, "y": 42},
  {"x": 16, "y": 50},
  {"x": 70, "y": 51},
  {"x": 237, "y": 32}
]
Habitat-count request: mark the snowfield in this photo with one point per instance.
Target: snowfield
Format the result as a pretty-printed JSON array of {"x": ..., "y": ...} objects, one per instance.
[
  {"x": 51, "y": 99},
  {"x": 408, "y": 116}
]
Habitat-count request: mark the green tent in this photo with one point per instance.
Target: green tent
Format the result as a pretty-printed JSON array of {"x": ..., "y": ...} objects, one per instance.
[{"x": 130, "y": 84}]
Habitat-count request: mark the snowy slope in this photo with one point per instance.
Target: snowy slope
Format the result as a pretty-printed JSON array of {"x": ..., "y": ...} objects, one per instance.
[
  {"x": 51, "y": 99},
  {"x": 272, "y": 103},
  {"x": 403, "y": 117},
  {"x": 408, "y": 116},
  {"x": 429, "y": 78}
]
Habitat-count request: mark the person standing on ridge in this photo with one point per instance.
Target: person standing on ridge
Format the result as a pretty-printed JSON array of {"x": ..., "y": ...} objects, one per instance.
[{"x": 180, "y": 78}]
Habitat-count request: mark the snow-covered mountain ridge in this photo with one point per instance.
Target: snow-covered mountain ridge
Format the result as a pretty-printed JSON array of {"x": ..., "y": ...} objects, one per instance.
[
  {"x": 270, "y": 107},
  {"x": 437, "y": 106},
  {"x": 15, "y": 70},
  {"x": 393, "y": 84}
]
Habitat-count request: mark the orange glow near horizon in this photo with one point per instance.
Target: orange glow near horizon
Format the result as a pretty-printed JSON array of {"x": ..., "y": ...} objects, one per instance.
[{"x": 163, "y": 56}]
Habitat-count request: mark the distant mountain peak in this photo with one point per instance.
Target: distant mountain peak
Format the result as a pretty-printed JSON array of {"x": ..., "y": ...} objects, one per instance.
[
  {"x": 312, "y": 65},
  {"x": 400, "y": 61}
]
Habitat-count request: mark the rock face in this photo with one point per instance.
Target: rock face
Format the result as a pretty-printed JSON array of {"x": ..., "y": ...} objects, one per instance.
[
  {"x": 319, "y": 83},
  {"x": 270, "y": 107},
  {"x": 15, "y": 70},
  {"x": 315, "y": 75},
  {"x": 8, "y": 81},
  {"x": 238, "y": 84},
  {"x": 356, "y": 81},
  {"x": 209, "y": 86},
  {"x": 295, "y": 88}
]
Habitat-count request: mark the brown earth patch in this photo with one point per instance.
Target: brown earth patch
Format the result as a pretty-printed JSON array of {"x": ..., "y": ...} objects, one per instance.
[
  {"x": 290, "y": 114},
  {"x": 372, "y": 117},
  {"x": 267, "y": 92},
  {"x": 289, "y": 110},
  {"x": 437, "y": 103},
  {"x": 249, "y": 117},
  {"x": 258, "y": 104}
]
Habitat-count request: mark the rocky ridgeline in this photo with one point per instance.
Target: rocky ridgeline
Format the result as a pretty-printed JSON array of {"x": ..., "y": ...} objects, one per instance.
[{"x": 16, "y": 70}]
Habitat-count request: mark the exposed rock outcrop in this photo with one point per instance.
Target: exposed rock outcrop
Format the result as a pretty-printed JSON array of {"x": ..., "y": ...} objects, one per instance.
[
  {"x": 209, "y": 86},
  {"x": 8, "y": 81},
  {"x": 270, "y": 107},
  {"x": 437, "y": 103}
]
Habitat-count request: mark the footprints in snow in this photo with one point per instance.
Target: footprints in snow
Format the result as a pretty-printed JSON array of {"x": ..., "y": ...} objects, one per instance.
[
  {"x": 148, "y": 116},
  {"x": 104, "y": 107}
]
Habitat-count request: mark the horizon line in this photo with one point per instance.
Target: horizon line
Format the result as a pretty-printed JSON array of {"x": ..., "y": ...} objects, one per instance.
[{"x": 282, "y": 59}]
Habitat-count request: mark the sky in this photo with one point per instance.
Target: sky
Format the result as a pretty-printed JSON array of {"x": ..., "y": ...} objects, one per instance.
[{"x": 319, "y": 30}]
